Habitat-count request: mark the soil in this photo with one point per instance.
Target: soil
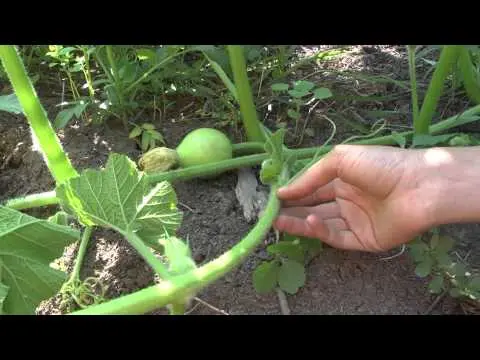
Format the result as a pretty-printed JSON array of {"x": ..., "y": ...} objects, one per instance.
[{"x": 338, "y": 282}]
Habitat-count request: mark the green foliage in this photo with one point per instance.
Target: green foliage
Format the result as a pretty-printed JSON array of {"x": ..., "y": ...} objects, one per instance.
[
  {"x": 179, "y": 256},
  {"x": 3, "y": 296},
  {"x": 286, "y": 269},
  {"x": 302, "y": 93},
  {"x": 433, "y": 259},
  {"x": 265, "y": 276},
  {"x": 146, "y": 136},
  {"x": 60, "y": 218},
  {"x": 119, "y": 197},
  {"x": 10, "y": 103},
  {"x": 65, "y": 115},
  {"x": 27, "y": 248},
  {"x": 272, "y": 167},
  {"x": 122, "y": 79},
  {"x": 291, "y": 276}
]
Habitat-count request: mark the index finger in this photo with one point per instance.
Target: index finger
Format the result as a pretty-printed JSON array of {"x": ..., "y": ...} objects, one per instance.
[{"x": 320, "y": 174}]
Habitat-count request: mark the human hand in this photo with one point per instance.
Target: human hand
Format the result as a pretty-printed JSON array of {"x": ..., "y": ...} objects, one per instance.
[{"x": 368, "y": 198}]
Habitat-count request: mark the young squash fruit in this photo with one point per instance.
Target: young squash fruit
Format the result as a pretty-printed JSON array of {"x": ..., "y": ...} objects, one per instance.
[
  {"x": 199, "y": 147},
  {"x": 204, "y": 146},
  {"x": 158, "y": 160}
]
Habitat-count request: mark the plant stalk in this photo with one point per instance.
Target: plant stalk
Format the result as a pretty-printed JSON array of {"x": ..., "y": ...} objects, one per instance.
[
  {"x": 177, "y": 309},
  {"x": 182, "y": 286},
  {"x": 82, "y": 250},
  {"x": 54, "y": 155},
  {"x": 413, "y": 81},
  {"x": 147, "y": 255},
  {"x": 248, "y": 148},
  {"x": 49, "y": 198},
  {"x": 448, "y": 57},
  {"x": 469, "y": 75},
  {"x": 33, "y": 201},
  {"x": 244, "y": 93},
  {"x": 153, "y": 68}
]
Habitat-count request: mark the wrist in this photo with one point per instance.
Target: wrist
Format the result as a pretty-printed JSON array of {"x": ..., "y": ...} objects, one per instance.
[{"x": 450, "y": 182}]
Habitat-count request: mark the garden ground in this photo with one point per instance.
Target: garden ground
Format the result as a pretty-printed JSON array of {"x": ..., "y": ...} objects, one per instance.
[{"x": 338, "y": 282}]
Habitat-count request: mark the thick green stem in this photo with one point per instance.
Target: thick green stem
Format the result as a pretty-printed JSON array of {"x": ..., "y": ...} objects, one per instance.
[
  {"x": 208, "y": 169},
  {"x": 32, "y": 201},
  {"x": 248, "y": 148},
  {"x": 244, "y": 93},
  {"x": 147, "y": 255},
  {"x": 448, "y": 57},
  {"x": 81, "y": 253},
  {"x": 49, "y": 198},
  {"x": 54, "y": 155},
  {"x": 413, "y": 81},
  {"x": 469, "y": 75},
  {"x": 177, "y": 308},
  {"x": 112, "y": 63},
  {"x": 183, "y": 286}
]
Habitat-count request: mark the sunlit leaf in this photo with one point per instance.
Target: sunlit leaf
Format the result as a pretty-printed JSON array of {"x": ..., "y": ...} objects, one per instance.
[
  {"x": 291, "y": 276},
  {"x": 119, "y": 197},
  {"x": 10, "y": 103},
  {"x": 265, "y": 276},
  {"x": 27, "y": 247},
  {"x": 322, "y": 93},
  {"x": 279, "y": 87}
]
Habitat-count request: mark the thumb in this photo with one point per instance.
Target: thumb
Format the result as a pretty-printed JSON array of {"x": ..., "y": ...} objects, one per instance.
[{"x": 320, "y": 174}]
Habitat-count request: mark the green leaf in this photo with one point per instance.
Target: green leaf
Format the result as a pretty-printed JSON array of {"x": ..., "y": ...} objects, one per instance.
[
  {"x": 27, "y": 248},
  {"x": 272, "y": 166},
  {"x": 269, "y": 171},
  {"x": 459, "y": 270},
  {"x": 461, "y": 140},
  {"x": 265, "y": 276},
  {"x": 474, "y": 283},
  {"x": 421, "y": 140},
  {"x": 443, "y": 259},
  {"x": 311, "y": 245},
  {"x": 146, "y": 54},
  {"x": 223, "y": 76},
  {"x": 66, "y": 51},
  {"x": 291, "y": 276},
  {"x": 179, "y": 255},
  {"x": 297, "y": 94},
  {"x": 137, "y": 130},
  {"x": 10, "y": 103},
  {"x": 444, "y": 244},
  {"x": 3, "y": 295},
  {"x": 64, "y": 116},
  {"x": 128, "y": 72},
  {"x": 293, "y": 114},
  {"x": 274, "y": 145},
  {"x": 145, "y": 140},
  {"x": 322, "y": 93},
  {"x": 119, "y": 197},
  {"x": 291, "y": 250},
  {"x": 206, "y": 48},
  {"x": 455, "y": 293},
  {"x": 156, "y": 135},
  {"x": 424, "y": 268},
  {"x": 399, "y": 139},
  {"x": 148, "y": 126},
  {"x": 418, "y": 251},
  {"x": 60, "y": 218},
  {"x": 303, "y": 86},
  {"x": 436, "y": 285},
  {"x": 279, "y": 87}
]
